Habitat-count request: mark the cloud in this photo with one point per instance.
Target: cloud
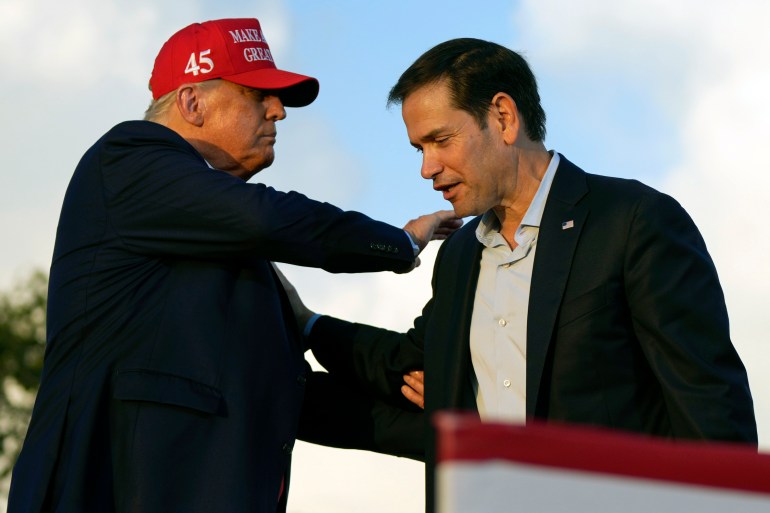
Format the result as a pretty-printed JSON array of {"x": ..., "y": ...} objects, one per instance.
[{"x": 77, "y": 43}]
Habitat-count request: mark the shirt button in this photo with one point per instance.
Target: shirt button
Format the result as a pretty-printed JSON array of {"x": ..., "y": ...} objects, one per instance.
[
  {"x": 507, "y": 383},
  {"x": 502, "y": 322}
]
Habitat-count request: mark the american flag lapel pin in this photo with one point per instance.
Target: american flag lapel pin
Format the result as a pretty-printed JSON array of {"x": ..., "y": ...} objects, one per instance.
[{"x": 566, "y": 225}]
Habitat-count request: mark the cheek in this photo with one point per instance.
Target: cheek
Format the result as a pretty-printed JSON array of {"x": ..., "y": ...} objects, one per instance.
[{"x": 243, "y": 135}]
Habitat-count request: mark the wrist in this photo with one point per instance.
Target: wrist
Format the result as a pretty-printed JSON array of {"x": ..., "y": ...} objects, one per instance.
[{"x": 411, "y": 238}]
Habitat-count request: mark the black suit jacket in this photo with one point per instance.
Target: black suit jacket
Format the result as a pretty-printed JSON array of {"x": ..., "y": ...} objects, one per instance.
[
  {"x": 174, "y": 374},
  {"x": 627, "y": 326}
]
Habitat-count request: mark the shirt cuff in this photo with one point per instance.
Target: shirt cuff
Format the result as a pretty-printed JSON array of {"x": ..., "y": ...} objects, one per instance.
[
  {"x": 415, "y": 247},
  {"x": 309, "y": 325}
]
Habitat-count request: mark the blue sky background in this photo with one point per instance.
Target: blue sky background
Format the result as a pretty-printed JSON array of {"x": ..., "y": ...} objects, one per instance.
[{"x": 671, "y": 93}]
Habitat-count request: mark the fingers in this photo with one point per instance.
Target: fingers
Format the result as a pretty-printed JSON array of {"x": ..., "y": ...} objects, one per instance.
[
  {"x": 413, "y": 396},
  {"x": 451, "y": 224},
  {"x": 447, "y": 228},
  {"x": 436, "y": 226},
  {"x": 416, "y": 380},
  {"x": 414, "y": 390},
  {"x": 445, "y": 215}
]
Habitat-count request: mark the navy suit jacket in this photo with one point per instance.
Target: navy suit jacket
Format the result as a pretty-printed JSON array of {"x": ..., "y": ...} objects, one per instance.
[
  {"x": 174, "y": 373},
  {"x": 627, "y": 326}
]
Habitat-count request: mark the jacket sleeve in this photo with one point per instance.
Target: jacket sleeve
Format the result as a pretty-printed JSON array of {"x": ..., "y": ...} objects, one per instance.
[
  {"x": 163, "y": 200},
  {"x": 680, "y": 318},
  {"x": 374, "y": 357},
  {"x": 336, "y": 414}
]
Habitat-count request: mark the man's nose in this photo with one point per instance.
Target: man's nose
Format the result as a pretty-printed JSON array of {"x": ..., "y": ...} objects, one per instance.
[
  {"x": 430, "y": 167},
  {"x": 275, "y": 109}
]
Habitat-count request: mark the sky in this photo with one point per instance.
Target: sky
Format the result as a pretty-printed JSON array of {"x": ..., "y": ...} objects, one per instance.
[{"x": 671, "y": 93}]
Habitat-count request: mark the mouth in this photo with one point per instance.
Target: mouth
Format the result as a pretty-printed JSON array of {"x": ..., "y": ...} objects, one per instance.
[{"x": 447, "y": 190}]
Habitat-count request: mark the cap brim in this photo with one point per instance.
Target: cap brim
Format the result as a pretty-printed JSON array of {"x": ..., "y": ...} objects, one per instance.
[{"x": 295, "y": 90}]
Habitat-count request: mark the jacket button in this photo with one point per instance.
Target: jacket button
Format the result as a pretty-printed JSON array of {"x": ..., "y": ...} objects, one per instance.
[
  {"x": 301, "y": 379},
  {"x": 287, "y": 448}
]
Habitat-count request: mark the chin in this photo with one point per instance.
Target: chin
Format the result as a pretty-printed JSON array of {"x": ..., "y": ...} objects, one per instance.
[
  {"x": 260, "y": 166},
  {"x": 462, "y": 211}
]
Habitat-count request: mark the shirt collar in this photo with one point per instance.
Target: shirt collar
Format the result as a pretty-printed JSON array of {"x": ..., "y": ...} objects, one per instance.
[{"x": 490, "y": 225}]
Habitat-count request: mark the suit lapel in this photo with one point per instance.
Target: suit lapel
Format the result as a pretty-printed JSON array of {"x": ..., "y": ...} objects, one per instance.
[
  {"x": 560, "y": 228},
  {"x": 460, "y": 268}
]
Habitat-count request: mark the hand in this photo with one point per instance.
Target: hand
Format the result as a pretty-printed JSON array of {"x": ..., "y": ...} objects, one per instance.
[
  {"x": 302, "y": 314},
  {"x": 414, "y": 390},
  {"x": 436, "y": 226}
]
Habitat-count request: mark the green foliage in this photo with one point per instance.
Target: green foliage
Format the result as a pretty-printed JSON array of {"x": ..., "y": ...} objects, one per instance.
[{"x": 22, "y": 345}]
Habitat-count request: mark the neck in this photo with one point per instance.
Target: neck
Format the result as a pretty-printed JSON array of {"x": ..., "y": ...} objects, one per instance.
[
  {"x": 531, "y": 165},
  {"x": 214, "y": 155}
]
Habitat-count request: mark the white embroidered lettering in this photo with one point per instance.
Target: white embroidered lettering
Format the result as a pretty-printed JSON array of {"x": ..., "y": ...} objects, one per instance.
[
  {"x": 257, "y": 54},
  {"x": 205, "y": 66},
  {"x": 245, "y": 35}
]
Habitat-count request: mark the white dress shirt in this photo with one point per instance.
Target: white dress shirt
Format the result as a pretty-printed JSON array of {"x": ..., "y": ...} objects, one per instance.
[{"x": 498, "y": 335}]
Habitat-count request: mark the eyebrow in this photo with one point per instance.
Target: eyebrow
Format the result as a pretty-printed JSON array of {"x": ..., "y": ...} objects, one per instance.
[
  {"x": 428, "y": 137},
  {"x": 431, "y": 135},
  {"x": 252, "y": 91}
]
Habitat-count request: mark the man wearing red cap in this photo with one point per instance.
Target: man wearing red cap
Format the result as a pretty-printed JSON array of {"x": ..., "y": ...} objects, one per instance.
[{"x": 174, "y": 371}]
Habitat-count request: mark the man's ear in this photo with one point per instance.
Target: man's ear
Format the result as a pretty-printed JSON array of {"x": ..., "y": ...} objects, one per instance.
[
  {"x": 505, "y": 116},
  {"x": 190, "y": 104}
]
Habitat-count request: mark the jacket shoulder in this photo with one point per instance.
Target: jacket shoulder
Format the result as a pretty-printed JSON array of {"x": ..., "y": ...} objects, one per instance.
[
  {"x": 611, "y": 193},
  {"x": 462, "y": 236},
  {"x": 140, "y": 133},
  {"x": 569, "y": 176}
]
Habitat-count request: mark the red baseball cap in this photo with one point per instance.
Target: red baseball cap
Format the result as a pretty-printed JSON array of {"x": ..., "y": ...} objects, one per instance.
[{"x": 231, "y": 49}]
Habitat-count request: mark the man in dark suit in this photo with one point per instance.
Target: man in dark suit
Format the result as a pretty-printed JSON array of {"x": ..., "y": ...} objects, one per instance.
[
  {"x": 174, "y": 373},
  {"x": 571, "y": 297}
]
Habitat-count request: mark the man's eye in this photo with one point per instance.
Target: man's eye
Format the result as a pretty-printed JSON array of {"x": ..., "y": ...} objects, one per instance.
[
  {"x": 441, "y": 140},
  {"x": 257, "y": 95}
]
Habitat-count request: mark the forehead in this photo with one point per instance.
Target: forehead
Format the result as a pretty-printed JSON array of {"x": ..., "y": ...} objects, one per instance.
[
  {"x": 429, "y": 109},
  {"x": 430, "y": 97}
]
